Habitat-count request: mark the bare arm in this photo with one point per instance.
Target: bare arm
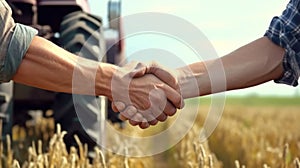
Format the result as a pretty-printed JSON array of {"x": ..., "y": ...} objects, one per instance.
[
  {"x": 255, "y": 63},
  {"x": 50, "y": 67}
]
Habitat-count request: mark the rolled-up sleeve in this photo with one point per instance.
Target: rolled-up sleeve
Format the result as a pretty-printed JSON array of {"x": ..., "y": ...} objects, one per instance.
[
  {"x": 15, "y": 40},
  {"x": 285, "y": 32}
]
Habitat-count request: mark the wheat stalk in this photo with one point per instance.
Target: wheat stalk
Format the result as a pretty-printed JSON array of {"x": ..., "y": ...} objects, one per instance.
[
  {"x": 284, "y": 155},
  {"x": 297, "y": 163}
]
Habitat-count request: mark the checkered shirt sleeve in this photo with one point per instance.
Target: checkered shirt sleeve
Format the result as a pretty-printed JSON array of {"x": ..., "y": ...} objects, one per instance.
[{"x": 285, "y": 32}]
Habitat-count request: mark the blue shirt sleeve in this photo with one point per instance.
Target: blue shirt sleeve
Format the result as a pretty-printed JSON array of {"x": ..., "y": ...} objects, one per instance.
[
  {"x": 15, "y": 41},
  {"x": 285, "y": 32},
  {"x": 17, "y": 48}
]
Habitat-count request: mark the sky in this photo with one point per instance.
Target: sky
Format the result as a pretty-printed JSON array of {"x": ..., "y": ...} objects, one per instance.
[{"x": 227, "y": 25}]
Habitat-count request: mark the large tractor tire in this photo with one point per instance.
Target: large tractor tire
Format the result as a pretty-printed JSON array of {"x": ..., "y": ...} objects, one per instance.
[{"x": 81, "y": 34}]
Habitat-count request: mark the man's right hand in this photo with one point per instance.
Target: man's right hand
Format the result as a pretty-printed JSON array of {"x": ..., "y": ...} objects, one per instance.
[{"x": 166, "y": 87}]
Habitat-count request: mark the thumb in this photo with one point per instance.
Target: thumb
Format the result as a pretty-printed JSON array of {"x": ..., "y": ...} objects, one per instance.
[
  {"x": 139, "y": 70},
  {"x": 165, "y": 74}
]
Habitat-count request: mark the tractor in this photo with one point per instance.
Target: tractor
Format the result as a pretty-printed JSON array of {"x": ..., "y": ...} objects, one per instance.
[{"x": 69, "y": 24}]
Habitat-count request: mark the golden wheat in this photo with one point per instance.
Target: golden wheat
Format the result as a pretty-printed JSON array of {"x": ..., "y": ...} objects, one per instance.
[{"x": 251, "y": 137}]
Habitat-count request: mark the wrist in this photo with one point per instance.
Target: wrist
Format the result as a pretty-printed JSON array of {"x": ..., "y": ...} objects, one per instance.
[
  {"x": 187, "y": 82},
  {"x": 190, "y": 78},
  {"x": 103, "y": 79}
]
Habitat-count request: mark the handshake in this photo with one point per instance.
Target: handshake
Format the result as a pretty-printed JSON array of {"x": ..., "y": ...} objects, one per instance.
[{"x": 145, "y": 94}]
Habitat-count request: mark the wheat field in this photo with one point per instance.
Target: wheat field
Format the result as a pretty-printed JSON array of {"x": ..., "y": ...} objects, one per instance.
[
  {"x": 257, "y": 132},
  {"x": 253, "y": 132}
]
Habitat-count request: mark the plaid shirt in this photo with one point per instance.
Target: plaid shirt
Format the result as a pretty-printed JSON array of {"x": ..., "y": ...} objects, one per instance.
[
  {"x": 14, "y": 42},
  {"x": 285, "y": 32}
]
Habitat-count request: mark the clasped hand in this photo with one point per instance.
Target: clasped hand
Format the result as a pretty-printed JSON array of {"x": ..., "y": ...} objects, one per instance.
[{"x": 145, "y": 94}]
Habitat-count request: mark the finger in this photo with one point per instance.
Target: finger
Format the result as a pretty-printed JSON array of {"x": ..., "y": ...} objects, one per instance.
[
  {"x": 129, "y": 112},
  {"x": 153, "y": 122},
  {"x": 118, "y": 106},
  {"x": 114, "y": 108},
  {"x": 147, "y": 114},
  {"x": 144, "y": 124},
  {"x": 158, "y": 102},
  {"x": 169, "y": 109},
  {"x": 136, "y": 119},
  {"x": 163, "y": 117},
  {"x": 173, "y": 96},
  {"x": 122, "y": 118},
  {"x": 133, "y": 122},
  {"x": 139, "y": 70},
  {"x": 169, "y": 77}
]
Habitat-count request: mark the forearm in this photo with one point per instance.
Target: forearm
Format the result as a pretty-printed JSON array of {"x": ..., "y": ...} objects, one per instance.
[
  {"x": 50, "y": 67},
  {"x": 255, "y": 63}
]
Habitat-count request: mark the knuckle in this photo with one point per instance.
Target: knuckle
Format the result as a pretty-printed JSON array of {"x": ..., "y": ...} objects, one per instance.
[
  {"x": 131, "y": 110},
  {"x": 124, "y": 114},
  {"x": 148, "y": 116}
]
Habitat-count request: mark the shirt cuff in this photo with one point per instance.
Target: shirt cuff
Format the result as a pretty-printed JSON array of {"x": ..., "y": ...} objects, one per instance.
[
  {"x": 290, "y": 63},
  {"x": 282, "y": 34},
  {"x": 17, "y": 48},
  {"x": 290, "y": 66}
]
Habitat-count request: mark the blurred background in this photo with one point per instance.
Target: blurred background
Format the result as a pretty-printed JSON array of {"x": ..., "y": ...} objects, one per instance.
[
  {"x": 259, "y": 126},
  {"x": 228, "y": 25}
]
